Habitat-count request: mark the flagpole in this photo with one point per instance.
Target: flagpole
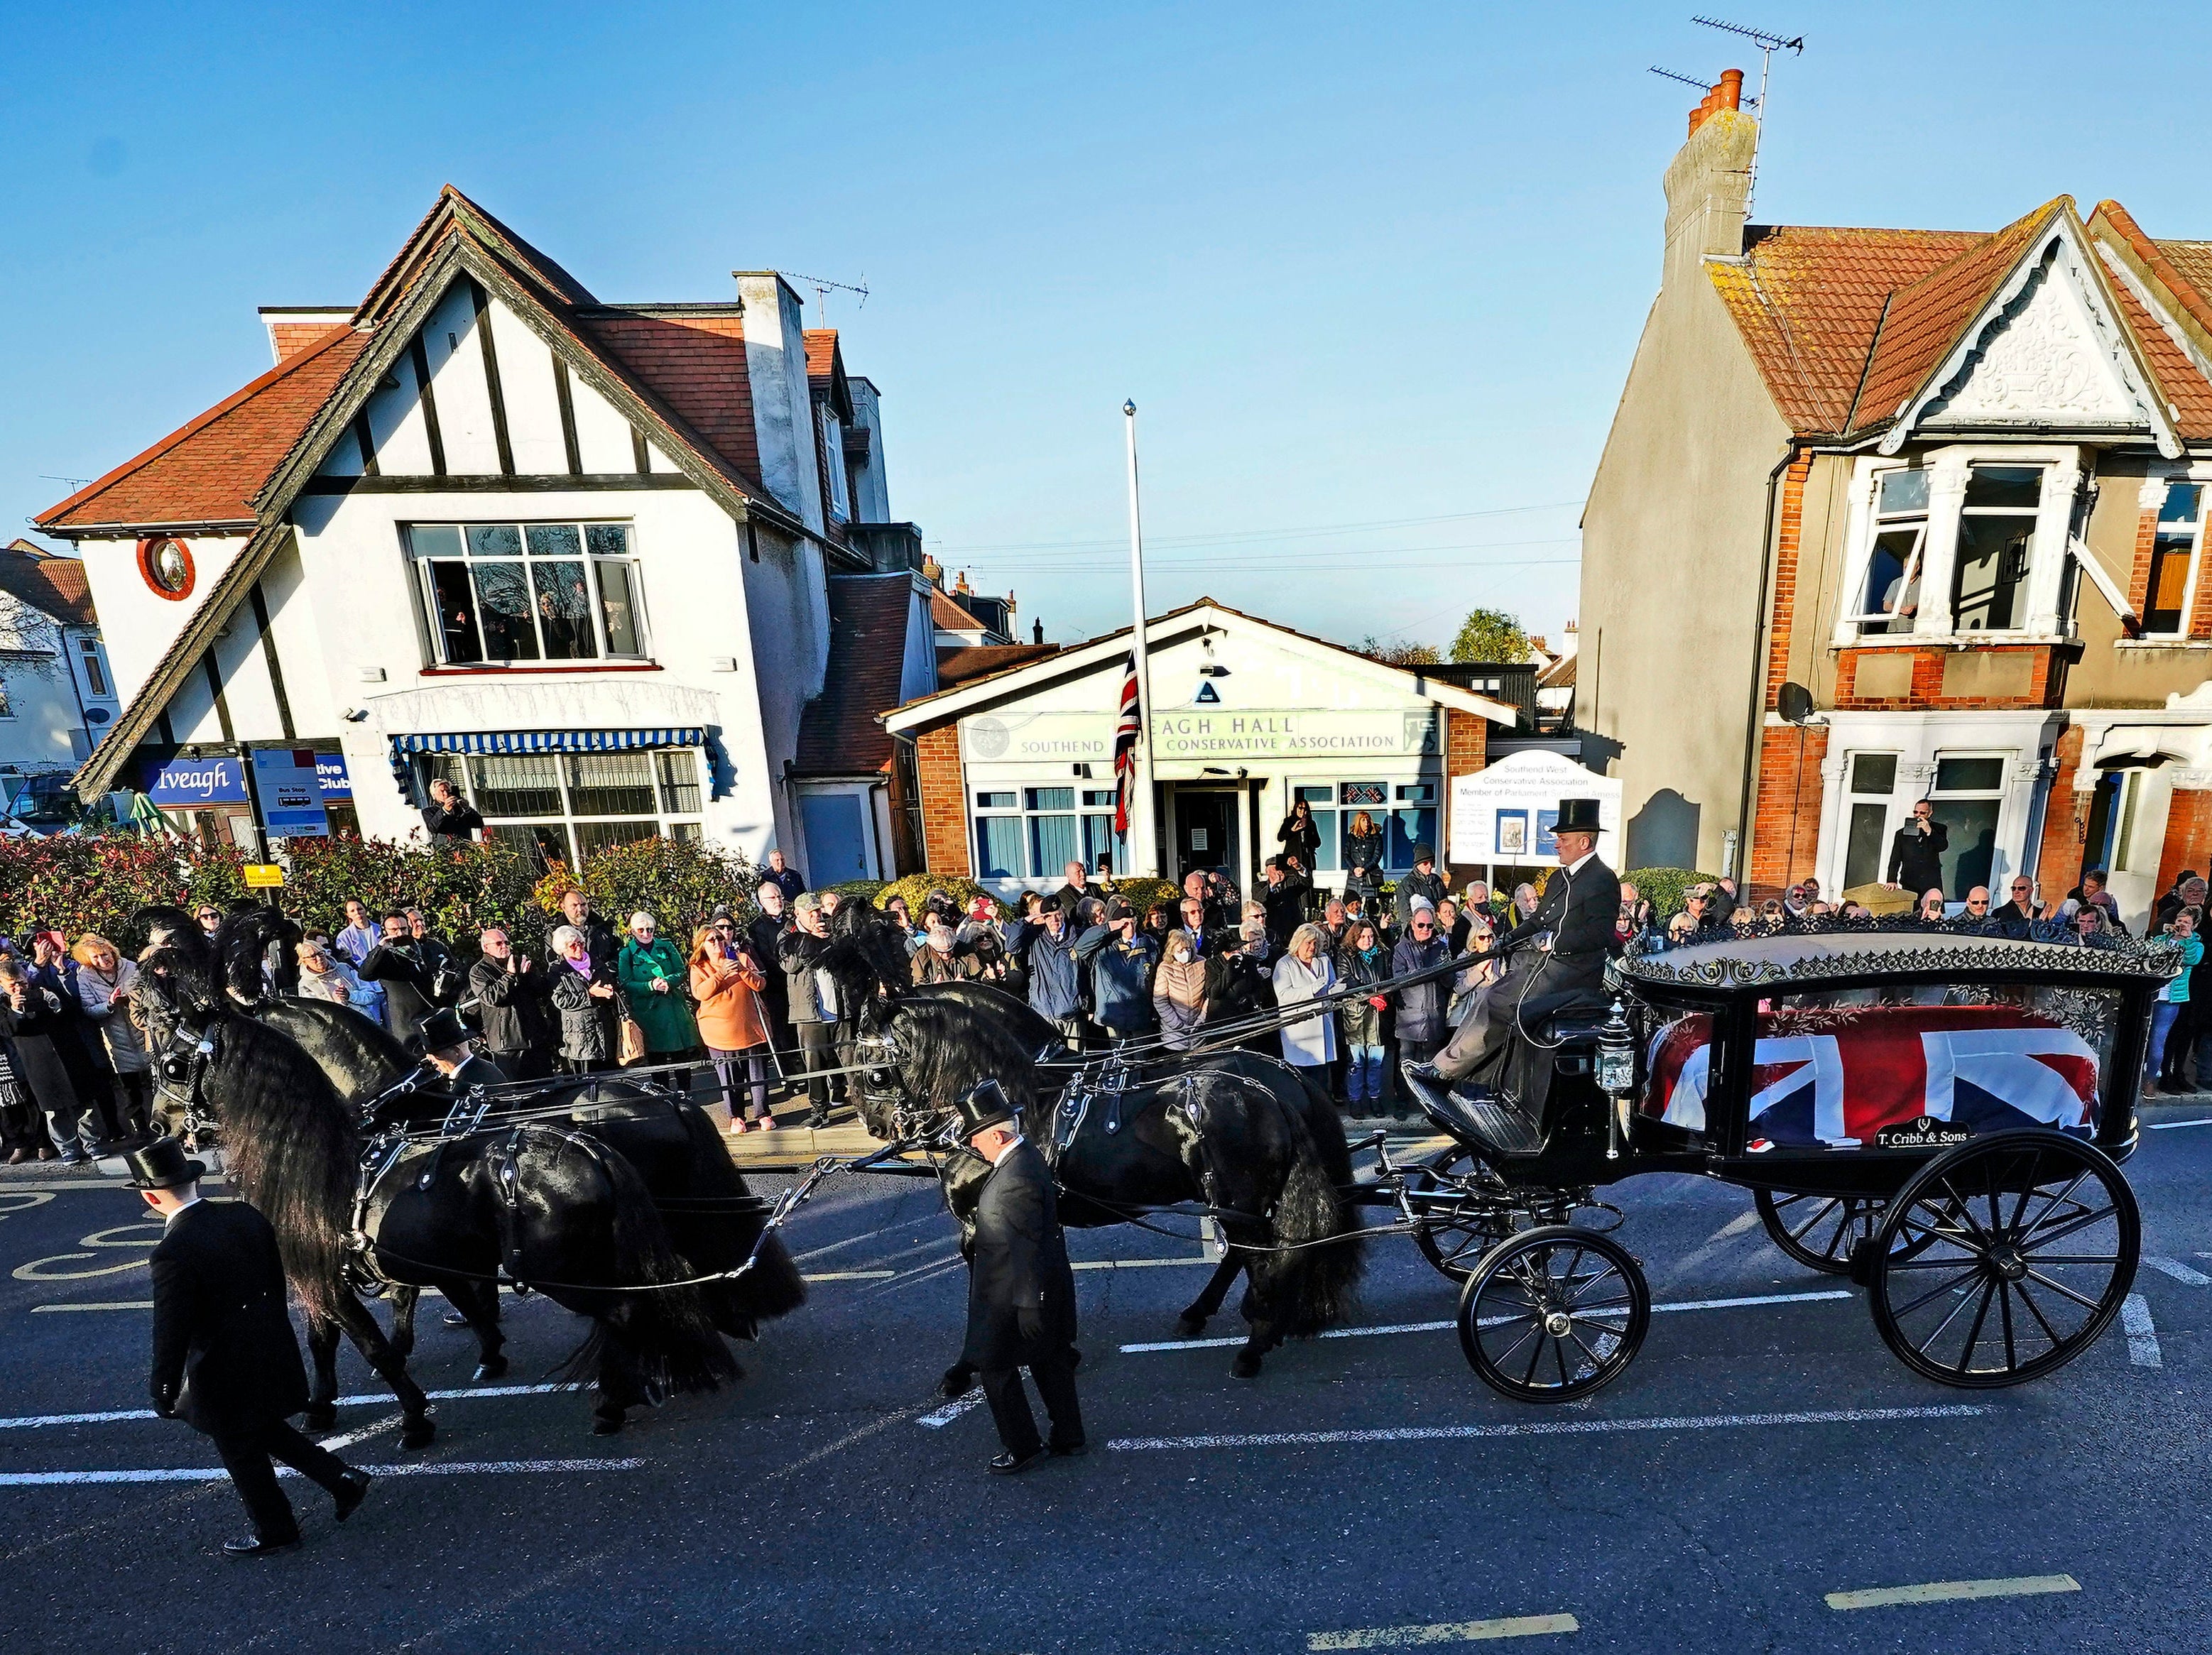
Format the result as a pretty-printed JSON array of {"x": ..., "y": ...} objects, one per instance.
[{"x": 1144, "y": 837}]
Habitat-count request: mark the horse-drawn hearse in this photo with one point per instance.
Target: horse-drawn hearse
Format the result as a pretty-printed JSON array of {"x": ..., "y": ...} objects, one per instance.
[{"x": 1940, "y": 1116}]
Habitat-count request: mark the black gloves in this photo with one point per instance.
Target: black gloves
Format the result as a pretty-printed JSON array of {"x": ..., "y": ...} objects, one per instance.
[{"x": 1030, "y": 1320}]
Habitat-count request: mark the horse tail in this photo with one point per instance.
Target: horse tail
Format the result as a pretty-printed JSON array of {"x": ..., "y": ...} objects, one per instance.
[
  {"x": 669, "y": 1330},
  {"x": 773, "y": 1287},
  {"x": 1316, "y": 1283}
]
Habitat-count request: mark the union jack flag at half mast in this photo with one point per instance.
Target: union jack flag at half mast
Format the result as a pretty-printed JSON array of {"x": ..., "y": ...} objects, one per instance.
[{"x": 1125, "y": 749}]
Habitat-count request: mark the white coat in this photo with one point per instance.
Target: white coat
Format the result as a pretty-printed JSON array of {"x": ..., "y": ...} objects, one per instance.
[{"x": 1310, "y": 1044}]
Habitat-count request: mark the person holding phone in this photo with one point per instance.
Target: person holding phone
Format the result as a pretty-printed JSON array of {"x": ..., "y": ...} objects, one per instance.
[{"x": 1916, "y": 851}]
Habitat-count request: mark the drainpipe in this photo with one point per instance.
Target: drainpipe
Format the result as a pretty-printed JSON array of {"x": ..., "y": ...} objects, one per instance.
[{"x": 1762, "y": 643}]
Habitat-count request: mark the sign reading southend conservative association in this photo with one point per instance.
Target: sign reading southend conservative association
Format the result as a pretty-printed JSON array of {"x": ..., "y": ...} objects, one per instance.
[{"x": 1183, "y": 733}]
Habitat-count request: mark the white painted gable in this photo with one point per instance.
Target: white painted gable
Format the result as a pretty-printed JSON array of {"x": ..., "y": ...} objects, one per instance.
[{"x": 2049, "y": 353}]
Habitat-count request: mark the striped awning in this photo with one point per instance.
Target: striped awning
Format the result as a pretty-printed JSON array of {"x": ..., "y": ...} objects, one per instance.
[{"x": 550, "y": 741}]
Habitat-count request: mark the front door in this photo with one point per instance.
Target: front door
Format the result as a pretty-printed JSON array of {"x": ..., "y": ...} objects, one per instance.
[
  {"x": 1205, "y": 830},
  {"x": 837, "y": 838}
]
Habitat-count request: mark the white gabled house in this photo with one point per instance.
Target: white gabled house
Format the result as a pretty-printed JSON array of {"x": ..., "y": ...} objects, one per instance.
[{"x": 576, "y": 555}]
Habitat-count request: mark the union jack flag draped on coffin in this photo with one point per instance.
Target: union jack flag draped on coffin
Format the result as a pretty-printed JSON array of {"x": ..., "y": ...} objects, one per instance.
[
  {"x": 1829, "y": 1077},
  {"x": 1125, "y": 749}
]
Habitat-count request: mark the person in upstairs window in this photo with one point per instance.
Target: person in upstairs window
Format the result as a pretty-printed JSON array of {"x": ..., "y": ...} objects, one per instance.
[{"x": 1916, "y": 851}]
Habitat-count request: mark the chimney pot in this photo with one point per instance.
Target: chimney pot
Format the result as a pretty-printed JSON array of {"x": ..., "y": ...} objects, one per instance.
[
  {"x": 960, "y": 585},
  {"x": 1731, "y": 88},
  {"x": 1036, "y": 632}
]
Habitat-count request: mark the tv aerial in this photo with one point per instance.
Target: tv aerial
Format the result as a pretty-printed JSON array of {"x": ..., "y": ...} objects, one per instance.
[{"x": 1768, "y": 44}]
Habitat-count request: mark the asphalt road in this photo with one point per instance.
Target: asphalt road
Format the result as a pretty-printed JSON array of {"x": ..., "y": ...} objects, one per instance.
[{"x": 1365, "y": 1492}]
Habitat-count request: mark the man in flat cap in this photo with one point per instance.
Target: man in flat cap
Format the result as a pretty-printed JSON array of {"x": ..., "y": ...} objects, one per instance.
[{"x": 226, "y": 1361}]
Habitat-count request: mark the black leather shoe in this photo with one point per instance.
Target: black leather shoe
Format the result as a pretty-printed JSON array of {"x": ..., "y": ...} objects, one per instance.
[
  {"x": 1070, "y": 1451},
  {"x": 454, "y": 1318},
  {"x": 350, "y": 1497},
  {"x": 1007, "y": 1465},
  {"x": 1425, "y": 1073},
  {"x": 255, "y": 1546}
]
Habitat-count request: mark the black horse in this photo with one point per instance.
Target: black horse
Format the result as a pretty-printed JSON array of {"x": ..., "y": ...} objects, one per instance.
[
  {"x": 1234, "y": 1131},
  {"x": 539, "y": 1203},
  {"x": 711, "y": 1216}
]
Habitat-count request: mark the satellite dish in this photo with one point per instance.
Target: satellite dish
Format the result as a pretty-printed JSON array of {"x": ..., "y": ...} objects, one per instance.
[{"x": 1795, "y": 703}]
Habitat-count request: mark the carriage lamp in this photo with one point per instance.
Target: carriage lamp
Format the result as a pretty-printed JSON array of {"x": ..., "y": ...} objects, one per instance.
[{"x": 1616, "y": 1075}]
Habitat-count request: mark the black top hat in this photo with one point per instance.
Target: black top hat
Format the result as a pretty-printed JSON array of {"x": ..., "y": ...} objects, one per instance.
[
  {"x": 443, "y": 1029},
  {"x": 985, "y": 1105},
  {"x": 162, "y": 1166},
  {"x": 1577, "y": 816}
]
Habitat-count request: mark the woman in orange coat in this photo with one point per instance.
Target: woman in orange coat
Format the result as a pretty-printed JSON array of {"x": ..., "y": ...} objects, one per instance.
[{"x": 726, "y": 983}]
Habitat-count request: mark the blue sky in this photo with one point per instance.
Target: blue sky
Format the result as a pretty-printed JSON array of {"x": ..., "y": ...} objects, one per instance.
[{"x": 1373, "y": 274}]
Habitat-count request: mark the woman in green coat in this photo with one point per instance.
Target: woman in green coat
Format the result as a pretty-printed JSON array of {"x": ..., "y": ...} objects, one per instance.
[{"x": 655, "y": 983}]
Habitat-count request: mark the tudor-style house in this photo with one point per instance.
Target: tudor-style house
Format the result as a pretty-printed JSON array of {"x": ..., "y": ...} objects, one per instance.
[
  {"x": 584, "y": 559},
  {"x": 1894, "y": 514}
]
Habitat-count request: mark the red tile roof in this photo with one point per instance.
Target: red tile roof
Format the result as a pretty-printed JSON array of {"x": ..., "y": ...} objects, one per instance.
[
  {"x": 210, "y": 470},
  {"x": 964, "y": 665},
  {"x": 1847, "y": 325},
  {"x": 821, "y": 352},
  {"x": 949, "y": 616},
  {"x": 838, "y": 732},
  {"x": 55, "y": 587},
  {"x": 697, "y": 365},
  {"x": 291, "y": 338}
]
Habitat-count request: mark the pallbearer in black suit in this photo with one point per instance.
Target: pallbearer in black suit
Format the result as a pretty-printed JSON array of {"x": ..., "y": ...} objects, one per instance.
[
  {"x": 1021, "y": 1293},
  {"x": 226, "y": 1360},
  {"x": 1581, "y": 902},
  {"x": 448, "y": 1046}
]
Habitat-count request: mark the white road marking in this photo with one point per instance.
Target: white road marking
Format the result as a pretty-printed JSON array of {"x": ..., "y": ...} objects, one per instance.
[
  {"x": 2171, "y": 1126},
  {"x": 1951, "y": 1592},
  {"x": 2178, "y": 1270},
  {"x": 117, "y": 1304},
  {"x": 1446, "y": 1326},
  {"x": 352, "y": 1437},
  {"x": 2143, "y": 1335},
  {"x": 1137, "y": 1264},
  {"x": 1449, "y": 1632},
  {"x": 380, "y": 1398},
  {"x": 1560, "y": 1427},
  {"x": 446, "y": 1468},
  {"x": 1734, "y": 1226},
  {"x": 852, "y": 1275},
  {"x": 952, "y": 1410}
]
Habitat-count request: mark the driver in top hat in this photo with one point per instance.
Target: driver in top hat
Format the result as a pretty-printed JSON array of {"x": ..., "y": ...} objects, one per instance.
[
  {"x": 226, "y": 1361},
  {"x": 1021, "y": 1293},
  {"x": 448, "y": 1047},
  {"x": 1580, "y": 903}
]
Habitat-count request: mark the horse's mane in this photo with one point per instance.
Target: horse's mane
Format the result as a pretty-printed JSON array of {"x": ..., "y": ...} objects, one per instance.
[
  {"x": 945, "y": 1048},
  {"x": 181, "y": 947},
  {"x": 291, "y": 1147},
  {"x": 339, "y": 1037}
]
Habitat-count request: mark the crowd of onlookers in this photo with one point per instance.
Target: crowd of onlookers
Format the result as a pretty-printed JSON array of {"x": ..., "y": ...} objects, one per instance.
[{"x": 751, "y": 996}]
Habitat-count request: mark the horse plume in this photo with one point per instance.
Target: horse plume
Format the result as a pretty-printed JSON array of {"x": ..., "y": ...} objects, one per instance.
[{"x": 178, "y": 947}]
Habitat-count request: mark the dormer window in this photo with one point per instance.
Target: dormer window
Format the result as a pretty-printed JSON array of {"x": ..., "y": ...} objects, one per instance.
[{"x": 832, "y": 450}]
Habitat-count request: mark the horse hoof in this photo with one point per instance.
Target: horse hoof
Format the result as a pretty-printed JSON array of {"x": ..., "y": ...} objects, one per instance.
[
  {"x": 417, "y": 1434},
  {"x": 322, "y": 1417},
  {"x": 1246, "y": 1365},
  {"x": 491, "y": 1367},
  {"x": 1190, "y": 1326},
  {"x": 603, "y": 1426}
]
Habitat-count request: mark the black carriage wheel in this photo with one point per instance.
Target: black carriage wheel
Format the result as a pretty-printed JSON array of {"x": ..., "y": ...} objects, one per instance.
[
  {"x": 1553, "y": 1313},
  {"x": 2022, "y": 1246},
  {"x": 1818, "y": 1231},
  {"x": 1453, "y": 1245}
]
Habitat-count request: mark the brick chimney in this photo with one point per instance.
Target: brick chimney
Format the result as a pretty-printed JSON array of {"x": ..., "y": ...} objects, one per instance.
[
  {"x": 933, "y": 571},
  {"x": 960, "y": 586},
  {"x": 1708, "y": 180}
]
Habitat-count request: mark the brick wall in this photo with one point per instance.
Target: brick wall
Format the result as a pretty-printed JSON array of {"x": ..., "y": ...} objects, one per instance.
[
  {"x": 2188, "y": 836},
  {"x": 1467, "y": 749},
  {"x": 2047, "y": 680},
  {"x": 1789, "y": 531},
  {"x": 2139, "y": 575},
  {"x": 1786, "y": 813},
  {"x": 943, "y": 800},
  {"x": 2065, "y": 823}
]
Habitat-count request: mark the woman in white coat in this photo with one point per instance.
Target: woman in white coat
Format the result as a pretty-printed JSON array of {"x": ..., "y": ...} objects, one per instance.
[{"x": 1306, "y": 973}]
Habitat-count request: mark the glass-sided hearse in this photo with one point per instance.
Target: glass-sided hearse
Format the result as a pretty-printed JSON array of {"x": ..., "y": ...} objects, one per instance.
[{"x": 1939, "y": 1115}]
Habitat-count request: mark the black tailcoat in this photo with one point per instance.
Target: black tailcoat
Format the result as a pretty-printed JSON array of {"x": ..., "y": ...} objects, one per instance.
[
  {"x": 1020, "y": 1259},
  {"x": 223, "y": 1346}
]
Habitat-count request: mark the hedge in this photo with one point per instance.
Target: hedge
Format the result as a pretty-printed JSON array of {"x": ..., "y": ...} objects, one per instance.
[
  {"x": 79, "y": 882},
  {"x": 1667, "y": 889}
]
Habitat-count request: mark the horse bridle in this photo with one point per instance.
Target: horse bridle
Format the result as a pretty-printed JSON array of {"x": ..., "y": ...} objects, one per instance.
[{"x": 180, "y": 1072}]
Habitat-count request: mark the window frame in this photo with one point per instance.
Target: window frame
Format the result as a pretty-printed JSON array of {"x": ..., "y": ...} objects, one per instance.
[
  {"x": 2034, "y": 513},
  {"x": 1088, "y": 807},
  {"x": 1883, "y": 624},
  {"x": 2191, "y": 530},
  {"x": 425, "y": 565},
  {"x": 671, "y": 818},
  {"x": 840, "y": 503}
]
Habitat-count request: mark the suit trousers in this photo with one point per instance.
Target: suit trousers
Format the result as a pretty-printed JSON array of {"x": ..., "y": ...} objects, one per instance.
[
  {"x": 1010, "y": 1405},
  {"x": 246, "y": 1456},
  {"x": 818, "y": 1051}
]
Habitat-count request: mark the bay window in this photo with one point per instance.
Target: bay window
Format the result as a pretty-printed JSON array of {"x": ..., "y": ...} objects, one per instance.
[
  {"x": 502, "y": 593},
  {"x": 1871, "y": 780},
  {"x": 1996, "y": 541},
  {"x": 1890, "y": 597},
  {"x": 2174, "y": 552}
]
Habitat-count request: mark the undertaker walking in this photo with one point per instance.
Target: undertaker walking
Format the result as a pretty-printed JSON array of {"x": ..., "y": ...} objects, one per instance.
[
  {"x": 1021, "y": 1293},
  {"x": 225, "y": 1358}
]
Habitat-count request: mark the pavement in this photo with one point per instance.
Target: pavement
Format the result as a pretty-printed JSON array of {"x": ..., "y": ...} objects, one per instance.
[{"x": 1766, "y": 1478}]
